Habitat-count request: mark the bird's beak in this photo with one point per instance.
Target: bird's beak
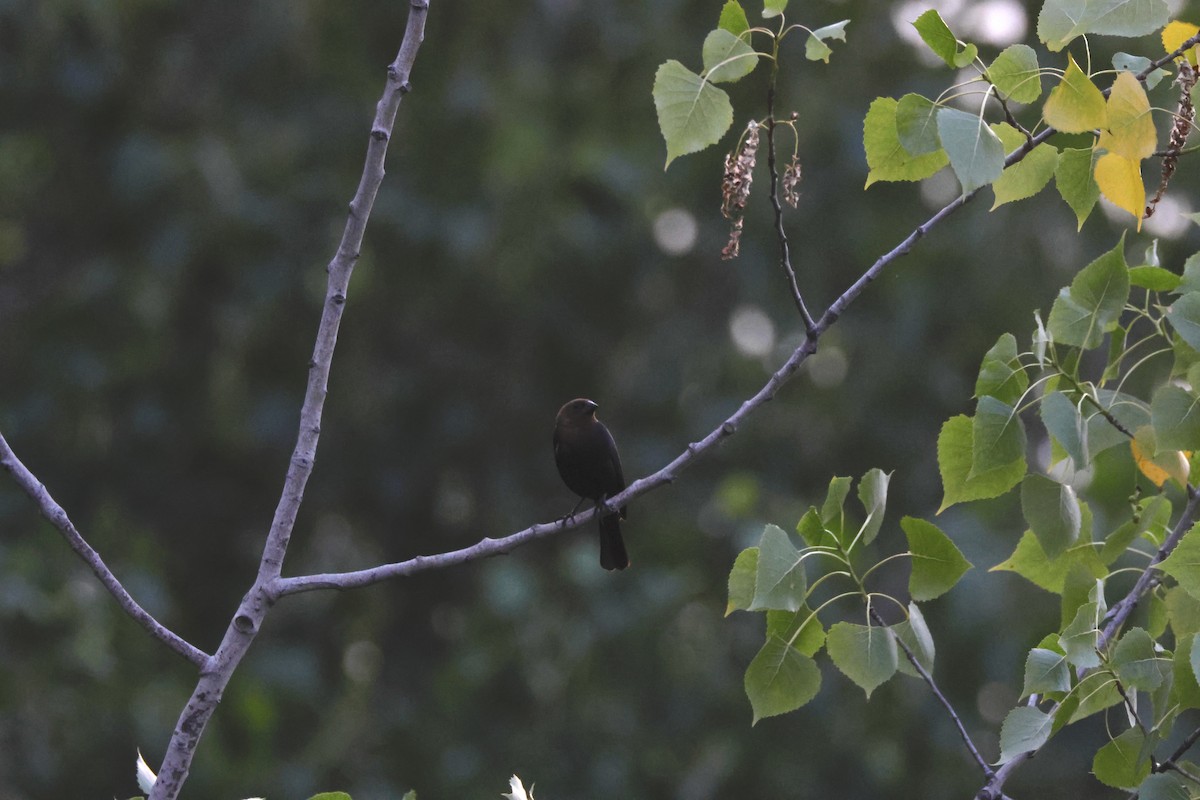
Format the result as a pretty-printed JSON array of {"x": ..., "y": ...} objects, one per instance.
[{"x": 592, "y": 406}]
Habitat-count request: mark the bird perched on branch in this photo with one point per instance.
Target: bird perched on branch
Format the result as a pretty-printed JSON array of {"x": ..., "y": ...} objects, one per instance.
[{"x": 587, "y": 460}]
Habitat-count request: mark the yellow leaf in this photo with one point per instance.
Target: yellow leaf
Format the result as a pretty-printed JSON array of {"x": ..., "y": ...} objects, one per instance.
[
  {"x": 1175, "y": 34},
  {"x": 1158, "y": 468},
  {"x": 1130, "y": 131},
  {"x": 1075, "y": 105},
  {"x": 1120, "y": 180}
]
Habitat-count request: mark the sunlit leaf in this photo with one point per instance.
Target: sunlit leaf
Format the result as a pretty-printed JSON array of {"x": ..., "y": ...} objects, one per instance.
[
  {"x": 1060, "y": 21},
  {"x": 1130, "y": 132},
  {"x": 733, "y": 18},
  {"x": 815, "y": 47},
  {"x": 1016, "y": 74},
  {"x": 887, "y": 160},
  {"x": 1120, "y": 180},
  {"x": 741, "y": 581},
  {"x": 935, "y": 33},
  {"x": 916, "y": 124},
  {"x": 1175, "y": 34},
  {"x": 1075, "y": 105}
]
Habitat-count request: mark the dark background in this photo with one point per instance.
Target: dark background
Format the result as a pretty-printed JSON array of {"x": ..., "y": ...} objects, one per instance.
[{"x": 173, "y": 180}]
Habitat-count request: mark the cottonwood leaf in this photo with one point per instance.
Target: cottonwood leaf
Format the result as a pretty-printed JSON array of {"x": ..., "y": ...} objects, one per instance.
[
  {"x": 727, "y": 57},
  {"x": 887, "y": 160},
  {"x": 1184, "y": 316},
  {"x": 779, "y": 582},
  {"x": 742, "y": 581},
  {"x": 976, "y": 154},
  {"x": 1075, "y": 105},
  {"x": 865, "y": 654},
  {"x": 1061, "y": 21},
  {"x": 998, "y": 436},
  {"x": 780, "y": 679},
  {"x": 935, "y": 33},
  {"x": 916, "y": 636},
  {"x": 955, "y": 453},
  {"x": 1015, "y": 73},
  {"x": 692, "y": 113},
  {"x": 733, "y": 18},
  {"x": 916, "y": 124},
  {"x": 937, "y": 564},
  {"x": 1175, "y": 415},
  {"x": 1120, "y": 180},
  {"x": 1045, "y": 671},
  {"x": 1184, "y": 563},
  {"x": 1084, "y": 312},
  {"x": 1124, "y": 762},
  {"x": 1024, "y": 729},
  {"x": 1076, "y": 184},
  {"x": 1052, "y": 511}
]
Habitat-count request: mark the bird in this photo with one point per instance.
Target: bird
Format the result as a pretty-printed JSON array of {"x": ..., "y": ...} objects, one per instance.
[{"x": 587, "y": 461}]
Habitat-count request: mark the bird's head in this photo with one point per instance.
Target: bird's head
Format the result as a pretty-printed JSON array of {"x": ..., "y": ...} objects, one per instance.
[{"x": 577, "y": 412}]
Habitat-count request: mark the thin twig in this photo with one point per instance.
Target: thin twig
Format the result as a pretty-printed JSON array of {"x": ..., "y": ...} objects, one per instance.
[
  {"x": 785, "y": 258},
  {"x": 57, "y": 517},
  {"x": 937, "y": 692},
  {"x": 252, "y": 610}
]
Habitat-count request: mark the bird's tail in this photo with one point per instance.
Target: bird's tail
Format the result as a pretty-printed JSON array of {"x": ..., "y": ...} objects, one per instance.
[{"x": 612, "y": 546}]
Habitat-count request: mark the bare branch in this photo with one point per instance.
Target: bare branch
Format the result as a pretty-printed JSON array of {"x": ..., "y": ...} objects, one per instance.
[
  {"x": 53, "y": 512},
  {"x": 937, "y": 692},
  {"x": 785, "y": 258},
  {"x": 247, "y": 621}
]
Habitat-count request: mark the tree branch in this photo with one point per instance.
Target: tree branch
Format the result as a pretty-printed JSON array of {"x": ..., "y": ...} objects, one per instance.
[
  {"x": 57, "y": 517},
  {"x": 785, "y": 258},
  {"x": 247, "y": 621},
  {"x": 937, "y": 692}
]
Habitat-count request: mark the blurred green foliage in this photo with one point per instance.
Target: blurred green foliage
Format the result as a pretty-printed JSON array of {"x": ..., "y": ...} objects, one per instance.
[{"x": 173, "y": 178}]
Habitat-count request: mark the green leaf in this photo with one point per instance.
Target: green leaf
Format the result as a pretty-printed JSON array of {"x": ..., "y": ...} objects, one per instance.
[
  {"x": 815, "y": 48},
  {"x": 833, "y": 515},
  {"x": 1016, "y": 75},
  {"x": 1135, "y": 662},
  {"x": 779, "y": 583},
  {"x": 916, "y": 125},
  {"x": 780, "y": 679},
  {"x": 1079, "y": 639},
  {"x": 865, "y": 654},
  {"x": 773, "y": 8},
  {"x": 1121, "y": 763},
  {"x": 733, "y": 18},
  {"x": 887, "y": 160},
  {"x": 1030, "y": 562},
  {"x": 1027, "y": 177},
  {"x": 692, "y": 113},
  {"x": 786, "y": 625},
  {"x": 959, "y": 484},
  {"x": 1024, "y": 729},
  {"x": 1184, "y": 563},
  {"x": 942, "y": 42},
  {"x": 936, "y": 563},
  {"x": 1075, "y": 105},
  {"x": 1184, "y": 317},
  {"x": 1064, "y": 422},
  {"x": 915, "y": 635},
  {"x": 1175, "y": 415},
  {"x": 1156, "y": 279},
  {"x": 741, "y": 581},
  {"x": 1061, "y": 21},
  {"x": 1097, "y": 295},
  {"x": 1045, "y": 671},
  {"x": 330, "y": 796},
  {"x": 998, "y": 437},
  {"x": 872, "y": 492},
  {"x": 1052, "y": 511},
  {"x": 1001, "y": 374},
  {"x": 813, "y": 530},
  {"x": 1131, "y": 412},
  {"x": 1124, "y": 62},
  {"x": 727, "y": 58},
  {"x": 1183, "y": 611},
  {"x": 1185, "y": 690},
  {"x": 976, "y": 154},
  {"x": 1164, "y": 786},
  {"x": 1074, "y": 178},
  {"x": 1191, "y": 275},
  {"x": 1096, "y": 692}
]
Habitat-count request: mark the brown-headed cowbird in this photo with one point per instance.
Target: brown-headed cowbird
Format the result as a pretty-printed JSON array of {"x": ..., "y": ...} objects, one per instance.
[{"x": 587, "y": 460}]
